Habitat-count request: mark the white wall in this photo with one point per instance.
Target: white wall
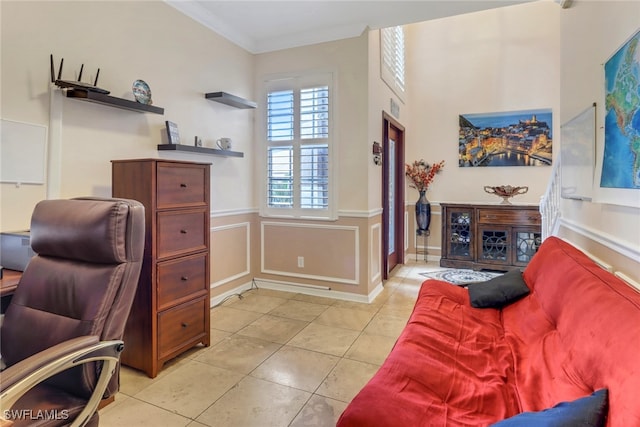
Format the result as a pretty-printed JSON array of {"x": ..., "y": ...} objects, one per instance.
[
  {"x": 499, "y": 60},
  {"x": 179, "y": 59},
  {"x": 592, "y": 31}
]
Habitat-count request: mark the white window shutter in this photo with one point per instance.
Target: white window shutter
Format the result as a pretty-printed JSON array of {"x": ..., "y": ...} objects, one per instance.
[
  {"x": 298, "y": 138},
  {"x": 392, "y": 59}
]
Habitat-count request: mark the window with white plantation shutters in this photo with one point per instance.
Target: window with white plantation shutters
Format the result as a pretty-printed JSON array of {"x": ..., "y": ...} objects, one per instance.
[
  {"x": 280, "y": 177},
  {"x": 280, "y": 115},
  {"x": 314, "y": 112},
  {"x": 298, "y": 152},
  {"x": 314, "y": 176},
  {"x": 392, "y": 59}
]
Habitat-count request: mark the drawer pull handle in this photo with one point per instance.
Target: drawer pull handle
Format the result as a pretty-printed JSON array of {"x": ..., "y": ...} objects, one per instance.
[
  {"x": 183, "y": 185},
  {"x": 184, "y": 325},
  {"x": 183, "y": 231},
  {"x": 532, "y": 218},
  {"x": 184, "y": 278},
  {"x": 490, "y": 216}
]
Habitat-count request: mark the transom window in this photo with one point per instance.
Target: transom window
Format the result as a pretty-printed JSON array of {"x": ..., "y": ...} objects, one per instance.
[
  {"x": 298, "y": 152},
  {"x": 392, "y": 53}
]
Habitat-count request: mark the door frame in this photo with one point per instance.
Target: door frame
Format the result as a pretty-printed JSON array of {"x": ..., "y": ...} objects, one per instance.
[{"x": 387, "y": 122}]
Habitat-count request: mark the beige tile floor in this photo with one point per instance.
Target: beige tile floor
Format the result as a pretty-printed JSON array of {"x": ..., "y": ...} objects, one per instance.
[{"x": 276, "y": 359}]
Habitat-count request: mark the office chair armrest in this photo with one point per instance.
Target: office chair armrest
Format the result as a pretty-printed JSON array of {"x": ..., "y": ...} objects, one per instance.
[
  {"x": 27, "y": 366},
  {"x": 21, "y": 377}
]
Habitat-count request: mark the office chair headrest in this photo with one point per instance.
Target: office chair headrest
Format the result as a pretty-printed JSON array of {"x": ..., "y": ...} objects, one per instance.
[{"x": 86, "y": 229}]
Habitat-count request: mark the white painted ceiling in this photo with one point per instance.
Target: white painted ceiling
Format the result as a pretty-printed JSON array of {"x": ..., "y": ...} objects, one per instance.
[{"x": 266, "y": 25}]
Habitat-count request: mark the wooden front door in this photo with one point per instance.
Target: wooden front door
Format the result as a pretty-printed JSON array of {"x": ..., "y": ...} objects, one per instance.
[{"x": 393, "y": 195}]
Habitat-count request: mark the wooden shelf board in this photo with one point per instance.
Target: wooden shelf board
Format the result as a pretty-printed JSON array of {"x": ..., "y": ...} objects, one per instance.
[
  {"x": 200, "y": 150},
  {"x": 112, "y": 101},
  {"x": 232, "y": 100}
]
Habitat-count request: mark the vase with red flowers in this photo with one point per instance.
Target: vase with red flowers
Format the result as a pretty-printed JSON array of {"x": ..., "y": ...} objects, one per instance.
[{"x": 421, "y": 175}]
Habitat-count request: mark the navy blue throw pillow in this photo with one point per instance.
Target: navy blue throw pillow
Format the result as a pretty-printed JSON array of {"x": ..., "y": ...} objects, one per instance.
[
  {"x": 588, "y": 411},
  {"x": 499, "y": 291}
]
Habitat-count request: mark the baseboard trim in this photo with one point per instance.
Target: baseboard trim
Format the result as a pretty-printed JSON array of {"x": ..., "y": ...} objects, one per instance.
[
  {"x": 214, "y": 301},
  {"x": 299, "y": 288}
]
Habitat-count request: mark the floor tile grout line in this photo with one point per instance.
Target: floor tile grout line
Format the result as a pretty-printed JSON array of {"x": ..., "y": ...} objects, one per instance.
[
  {"x": 402, "y": 287},
  {"x": 204, "y": 410},
  {"x": 339, "y": 358}
]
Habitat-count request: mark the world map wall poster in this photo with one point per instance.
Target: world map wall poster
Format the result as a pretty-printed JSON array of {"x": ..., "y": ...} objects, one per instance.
[{"x": 621, "y": 159}]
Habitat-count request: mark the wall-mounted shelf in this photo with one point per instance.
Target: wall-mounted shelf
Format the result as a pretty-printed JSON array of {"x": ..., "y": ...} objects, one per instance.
[
  {"x": 112, "y": 101},
  {"x": 232, "y": 100},
  {"x": 200, "y": 150}
]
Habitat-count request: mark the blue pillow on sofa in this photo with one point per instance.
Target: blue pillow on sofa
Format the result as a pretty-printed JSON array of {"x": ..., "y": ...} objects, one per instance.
[{"x": 588, "y": 411}]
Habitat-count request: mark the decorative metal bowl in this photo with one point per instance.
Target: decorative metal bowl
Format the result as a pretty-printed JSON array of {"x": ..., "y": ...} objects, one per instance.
[{"x": 506, "y": 192}]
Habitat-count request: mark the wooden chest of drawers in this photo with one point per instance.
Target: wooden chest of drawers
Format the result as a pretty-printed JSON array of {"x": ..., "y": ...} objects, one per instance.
[{"x": 170, "y": 313}]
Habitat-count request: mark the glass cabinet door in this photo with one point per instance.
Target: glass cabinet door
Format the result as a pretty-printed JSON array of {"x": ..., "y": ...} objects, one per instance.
[
  {"x": 527, "y": 243},
  {"x": 494, "y": 245},
  {"x": 460, "y": 235}
]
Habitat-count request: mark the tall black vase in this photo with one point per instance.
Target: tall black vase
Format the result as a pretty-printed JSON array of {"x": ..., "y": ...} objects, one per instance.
[{"x": 423, "y": 213}]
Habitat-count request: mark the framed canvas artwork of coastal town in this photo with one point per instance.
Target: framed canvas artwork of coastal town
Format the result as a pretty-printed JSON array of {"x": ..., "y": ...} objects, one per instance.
[{"x": 514, "y": 138}]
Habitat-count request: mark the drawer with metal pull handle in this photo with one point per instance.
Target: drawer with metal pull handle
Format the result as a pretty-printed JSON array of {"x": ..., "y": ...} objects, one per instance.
[
  {"x": 181, "y": 185},
  {"x": 181, "y": 279},
  {"x": 179, "y": 325},
  {"x": 181, "y": 232}
]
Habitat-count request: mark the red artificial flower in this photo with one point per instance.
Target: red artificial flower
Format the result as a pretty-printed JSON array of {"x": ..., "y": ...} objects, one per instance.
[{"x": 422, "y": 174}]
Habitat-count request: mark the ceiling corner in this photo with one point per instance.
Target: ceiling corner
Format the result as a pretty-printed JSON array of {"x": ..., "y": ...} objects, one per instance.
[{"x": 199, "y": 13}]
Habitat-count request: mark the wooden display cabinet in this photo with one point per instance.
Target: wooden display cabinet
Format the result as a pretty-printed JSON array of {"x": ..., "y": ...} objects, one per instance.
[{"x": 495, "y": 237}]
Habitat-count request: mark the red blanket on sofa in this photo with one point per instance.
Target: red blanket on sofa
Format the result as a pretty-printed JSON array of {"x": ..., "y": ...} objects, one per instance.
[{"x": 455, "y": 365}]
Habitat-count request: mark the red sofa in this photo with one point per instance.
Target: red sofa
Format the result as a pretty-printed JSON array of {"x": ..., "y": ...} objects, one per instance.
[{"x": 577, "y": 331}]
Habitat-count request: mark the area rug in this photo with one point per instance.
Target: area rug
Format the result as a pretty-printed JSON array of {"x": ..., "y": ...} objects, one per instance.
[{"x": 461, "y": 276}]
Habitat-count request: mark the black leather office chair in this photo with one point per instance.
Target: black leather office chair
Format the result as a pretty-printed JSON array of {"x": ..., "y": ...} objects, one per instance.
[{"x": 61, "y": 334}]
